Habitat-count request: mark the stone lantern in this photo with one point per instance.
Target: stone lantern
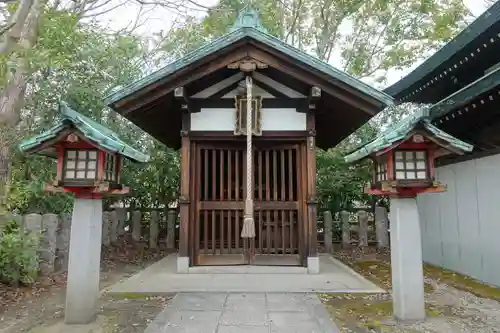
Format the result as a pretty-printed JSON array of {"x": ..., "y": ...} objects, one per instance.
[
  {"x": 403, "y": 167},
  {"x": 89, "y": 158}
]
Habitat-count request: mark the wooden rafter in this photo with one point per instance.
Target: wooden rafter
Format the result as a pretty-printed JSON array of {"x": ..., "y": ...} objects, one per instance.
[
  {"x": 182, "y": 78},
  {"x": 312, "y": 80}
]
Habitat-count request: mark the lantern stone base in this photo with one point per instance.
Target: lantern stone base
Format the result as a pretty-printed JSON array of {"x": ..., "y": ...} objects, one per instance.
[
  {"x": 312, "y": 265},
  {"x": 183, "y": 265},
  {"x": 82, "y": 289},
  {"x": 406, "y": 260}
]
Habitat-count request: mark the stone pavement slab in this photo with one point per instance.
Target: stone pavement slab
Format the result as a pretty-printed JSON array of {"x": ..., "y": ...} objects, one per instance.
[
  {"x": 162, "y": 277},
  {"x": 243, "y": 313}
]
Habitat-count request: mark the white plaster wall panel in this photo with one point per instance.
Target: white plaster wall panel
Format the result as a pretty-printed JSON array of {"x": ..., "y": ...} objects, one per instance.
[
  {"x": 467, "y": 217},
  {"x": 488, "y": 184},
  {"x": 213, "y": 120},
  {"x": 449, "y": 226},
  {"x": 273, "y": 119},
  {"x": 431, "y": 228},
  {"x": 283, "y": 120}
]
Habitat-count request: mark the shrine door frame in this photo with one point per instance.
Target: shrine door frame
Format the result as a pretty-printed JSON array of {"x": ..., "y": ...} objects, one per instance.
[{"x": 218, "y": 178}]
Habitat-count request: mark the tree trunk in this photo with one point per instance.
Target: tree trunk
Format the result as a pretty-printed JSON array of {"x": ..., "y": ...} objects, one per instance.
[
  {"x": 14, "y": 30},
  {"x": 12, "y": 96}
]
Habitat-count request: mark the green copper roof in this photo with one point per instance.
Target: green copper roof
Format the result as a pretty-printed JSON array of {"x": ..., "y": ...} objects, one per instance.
[
  {"x": 101, "y": 136},
  {"x": 401, "y": 131},
  {"x": 466, "y": 95},
  {"x": 248, "y": 18},
  {"x": 248, "y": 25}
]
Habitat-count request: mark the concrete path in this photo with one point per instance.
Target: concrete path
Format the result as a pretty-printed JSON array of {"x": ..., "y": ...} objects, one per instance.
[
  {"x": 243, "y": 313},
  {"x": 162, "y": 277}
]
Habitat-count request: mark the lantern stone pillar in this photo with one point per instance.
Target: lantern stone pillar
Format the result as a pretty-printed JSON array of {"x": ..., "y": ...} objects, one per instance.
[
  {"x": 89, "y": 170},
  {"x": 84, "y": 261},
  {"x": 406, "y": 260}
]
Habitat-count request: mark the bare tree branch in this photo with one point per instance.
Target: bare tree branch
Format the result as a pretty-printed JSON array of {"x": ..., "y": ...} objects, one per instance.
[{"x": 12, "y": 36}]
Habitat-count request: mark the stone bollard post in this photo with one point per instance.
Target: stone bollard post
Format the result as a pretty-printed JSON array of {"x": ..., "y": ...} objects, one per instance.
[
  {"x": 328, "y": 227},
  {"x": 136, "y": 226},
  {"x": 153, "y": 230},
  {"x": 346, "y": 232},
  {"x": 381, "y": 227},
  {"x": 50, "y": 223},
  {"x": 82, "y": 287},
  {"x": 121, "y": 214},
  {"x": 33, "y": 225},
  {"x": 105, "y": 228},
  {"x": 363, "y": 228},
  {"x": 171, "y": 216},
  {"x": 113, "y": 231},
  {"x": 62, "y": 243}
]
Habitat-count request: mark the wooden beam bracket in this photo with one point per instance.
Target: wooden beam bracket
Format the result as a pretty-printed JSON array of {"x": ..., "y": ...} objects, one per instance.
[
  {"x": 187, "y": 104},
  {"x": 313, "y": 98}
]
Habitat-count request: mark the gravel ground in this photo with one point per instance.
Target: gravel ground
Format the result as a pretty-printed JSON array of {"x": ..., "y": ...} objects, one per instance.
[
  {"x": 41, "y": 310},
  {"x": 450, "y": 309}
]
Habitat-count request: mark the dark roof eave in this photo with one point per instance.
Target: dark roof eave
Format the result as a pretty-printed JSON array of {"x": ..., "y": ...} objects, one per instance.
[
  {"x": 460, "y": 42},
  {"x": 232, "y": 37},
  {"x": 466, "y": 94}
]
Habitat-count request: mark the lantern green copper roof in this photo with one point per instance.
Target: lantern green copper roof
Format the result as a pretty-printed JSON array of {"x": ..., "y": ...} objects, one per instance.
[
  {"x": 400, "y": 131},
  {"x": 248, "y": 25},
  {"x": 100, "y": 135}
]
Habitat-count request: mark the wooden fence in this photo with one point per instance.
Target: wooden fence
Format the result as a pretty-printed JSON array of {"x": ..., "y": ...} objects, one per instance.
[
  {"x": 358, "y": 227},
  {"x": 151, "y": 225}
]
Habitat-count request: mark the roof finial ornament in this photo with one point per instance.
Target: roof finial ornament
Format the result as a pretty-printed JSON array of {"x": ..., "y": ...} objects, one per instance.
[{"x": 248, "y": 17}]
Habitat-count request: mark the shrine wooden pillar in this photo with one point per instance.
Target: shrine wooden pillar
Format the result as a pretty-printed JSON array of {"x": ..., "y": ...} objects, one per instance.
[
  {"x": 312, "y": 233},
  {"x": 183, "y": 260}
]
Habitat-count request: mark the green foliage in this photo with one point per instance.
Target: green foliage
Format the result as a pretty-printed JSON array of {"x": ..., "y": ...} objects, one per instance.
[
  {"x": 79, "y": 62},
  {"x": 18, "y": 255},
  {"x": 339, "y": 184},
  {"x": 364, "y": 38}
]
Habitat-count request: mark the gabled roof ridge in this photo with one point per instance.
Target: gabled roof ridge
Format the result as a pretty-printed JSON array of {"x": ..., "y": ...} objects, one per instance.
[
  {"x": 240, "y": 33},
  {"x": 101, "y": 135},
  {"x": 170, "y": 67},
  {"x": 320, "y": 62},
  {"x": 400, "y": 131}
]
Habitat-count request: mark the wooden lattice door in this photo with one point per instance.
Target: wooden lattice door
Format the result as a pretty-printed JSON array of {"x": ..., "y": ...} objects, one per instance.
[
  {"x": 220, "y": 194},
  {"x": 277, "y": 204}
]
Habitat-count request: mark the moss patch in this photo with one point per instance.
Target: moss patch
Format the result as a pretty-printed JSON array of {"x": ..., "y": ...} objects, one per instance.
[
  {"x": 373, "y": 312},
  {"x": 368, "y": 311},
  {"x": 379, "y": 272},
  {"x": 462, "y": 282},
  {"x": 130, "y": 295}
]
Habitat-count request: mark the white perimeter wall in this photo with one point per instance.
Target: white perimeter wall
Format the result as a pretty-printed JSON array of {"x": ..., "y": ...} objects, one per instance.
[
  {"x": 286, "y": 119},
  {"x": 461, "y": 227}
]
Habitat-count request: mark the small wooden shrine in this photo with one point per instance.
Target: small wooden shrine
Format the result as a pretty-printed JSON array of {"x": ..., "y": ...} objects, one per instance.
[{"x": 231, "y": 174}]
